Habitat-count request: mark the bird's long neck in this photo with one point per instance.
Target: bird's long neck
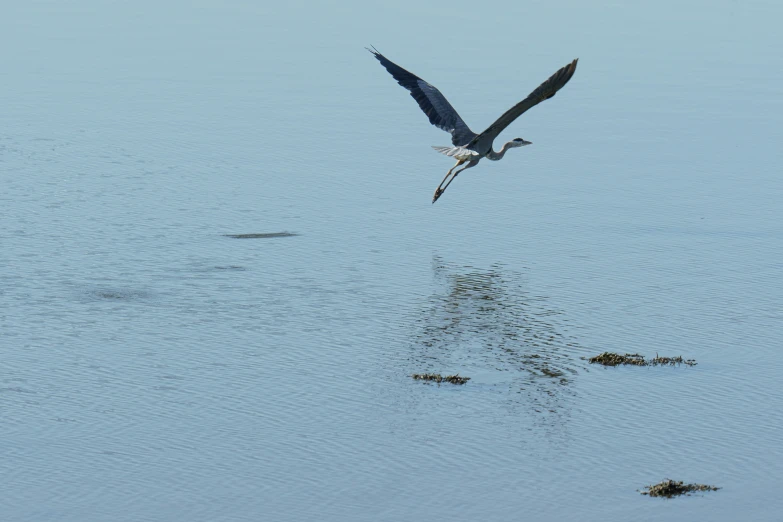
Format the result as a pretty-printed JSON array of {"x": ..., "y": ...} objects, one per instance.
[{"x": 495, "y": 156}]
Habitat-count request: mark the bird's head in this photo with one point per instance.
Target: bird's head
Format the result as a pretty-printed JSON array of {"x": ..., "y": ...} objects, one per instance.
[{"x": 519, "y": 142}]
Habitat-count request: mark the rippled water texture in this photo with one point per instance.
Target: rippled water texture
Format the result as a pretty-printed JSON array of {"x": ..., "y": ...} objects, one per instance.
[{"x": 219, "y": 264}]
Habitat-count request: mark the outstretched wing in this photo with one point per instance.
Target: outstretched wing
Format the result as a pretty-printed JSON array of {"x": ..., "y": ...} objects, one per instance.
[
  {"x": 544, "y": 91},
  {"x": 432, "y": 102}
]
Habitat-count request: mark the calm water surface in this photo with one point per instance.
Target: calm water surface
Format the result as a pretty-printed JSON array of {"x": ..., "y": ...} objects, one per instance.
[{"x": 155, "y": 368}]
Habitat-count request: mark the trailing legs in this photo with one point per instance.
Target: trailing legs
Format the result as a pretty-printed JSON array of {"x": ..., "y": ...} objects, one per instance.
[{"x": 441, "y": 188}]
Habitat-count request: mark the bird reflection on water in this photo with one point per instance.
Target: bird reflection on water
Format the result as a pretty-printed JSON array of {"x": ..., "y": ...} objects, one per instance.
[{"x": 486, "y": 324}]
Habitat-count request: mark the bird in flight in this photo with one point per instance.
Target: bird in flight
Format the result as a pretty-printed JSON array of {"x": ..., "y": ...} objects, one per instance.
[{"x": 469, "y": 147}]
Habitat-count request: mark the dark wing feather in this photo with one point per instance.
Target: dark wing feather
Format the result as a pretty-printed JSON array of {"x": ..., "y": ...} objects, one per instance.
[
  {"x": 544, "y": 91},
  {"x": 432, "y": 102}
]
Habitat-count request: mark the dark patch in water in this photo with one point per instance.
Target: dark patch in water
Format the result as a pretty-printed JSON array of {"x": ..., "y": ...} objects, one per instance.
[
  {"x": 634, "y": 359},
  {"x": 231, "y": 267},
  {"x": 436, "y": 377},
  {"x": 111, "y": 294},
  {"x": 262, "y": 236},
  {"x": 672, "y": 488},
  {"x": 16, "y": 389}
]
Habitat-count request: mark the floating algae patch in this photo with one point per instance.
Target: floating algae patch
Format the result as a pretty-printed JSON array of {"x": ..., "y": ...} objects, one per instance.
[
  {"x": 266, "y": 235},
  {"x": 615, "y": 359},
  {"x": 673, "y": 488},
  {"x": 436, "y": 377},
  {"x": 671, "y": 361},
  {"x": 634, "y": 359}
]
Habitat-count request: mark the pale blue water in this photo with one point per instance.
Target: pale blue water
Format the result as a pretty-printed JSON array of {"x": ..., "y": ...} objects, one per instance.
[{"x": 154, "y": 369}]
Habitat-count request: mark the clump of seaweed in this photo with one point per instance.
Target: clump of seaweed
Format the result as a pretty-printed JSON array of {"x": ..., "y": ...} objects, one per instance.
[
  {"x": 615, "y": 359},
  {"x": 635, "y": 359},
  {"x": 671, "y": 361},
  {"x": 672, "y": 488},
  {"x": 438, "y": 378}
]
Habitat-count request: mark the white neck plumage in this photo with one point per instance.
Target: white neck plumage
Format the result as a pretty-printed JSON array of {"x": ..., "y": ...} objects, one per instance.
[{"x": 495, "y": 156}]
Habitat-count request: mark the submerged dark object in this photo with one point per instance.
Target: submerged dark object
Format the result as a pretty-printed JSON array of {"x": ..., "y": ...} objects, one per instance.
[
  {"x": 634, "y": 359},
  {"x": 436, "y": 377},
  {"x": 672, "y": 488},
  {"x": 262, "y": 236}
]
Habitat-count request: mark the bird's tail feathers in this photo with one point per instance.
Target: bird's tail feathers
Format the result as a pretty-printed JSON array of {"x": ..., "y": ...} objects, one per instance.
[{"x": 456, "y": 152}]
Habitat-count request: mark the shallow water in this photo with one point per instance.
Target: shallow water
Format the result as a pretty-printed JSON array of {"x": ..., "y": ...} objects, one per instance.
[{"x": 156, "y": 369}]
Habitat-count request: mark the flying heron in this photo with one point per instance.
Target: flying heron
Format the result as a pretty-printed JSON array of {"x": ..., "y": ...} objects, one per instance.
[{"x": 470, "y": 147}]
